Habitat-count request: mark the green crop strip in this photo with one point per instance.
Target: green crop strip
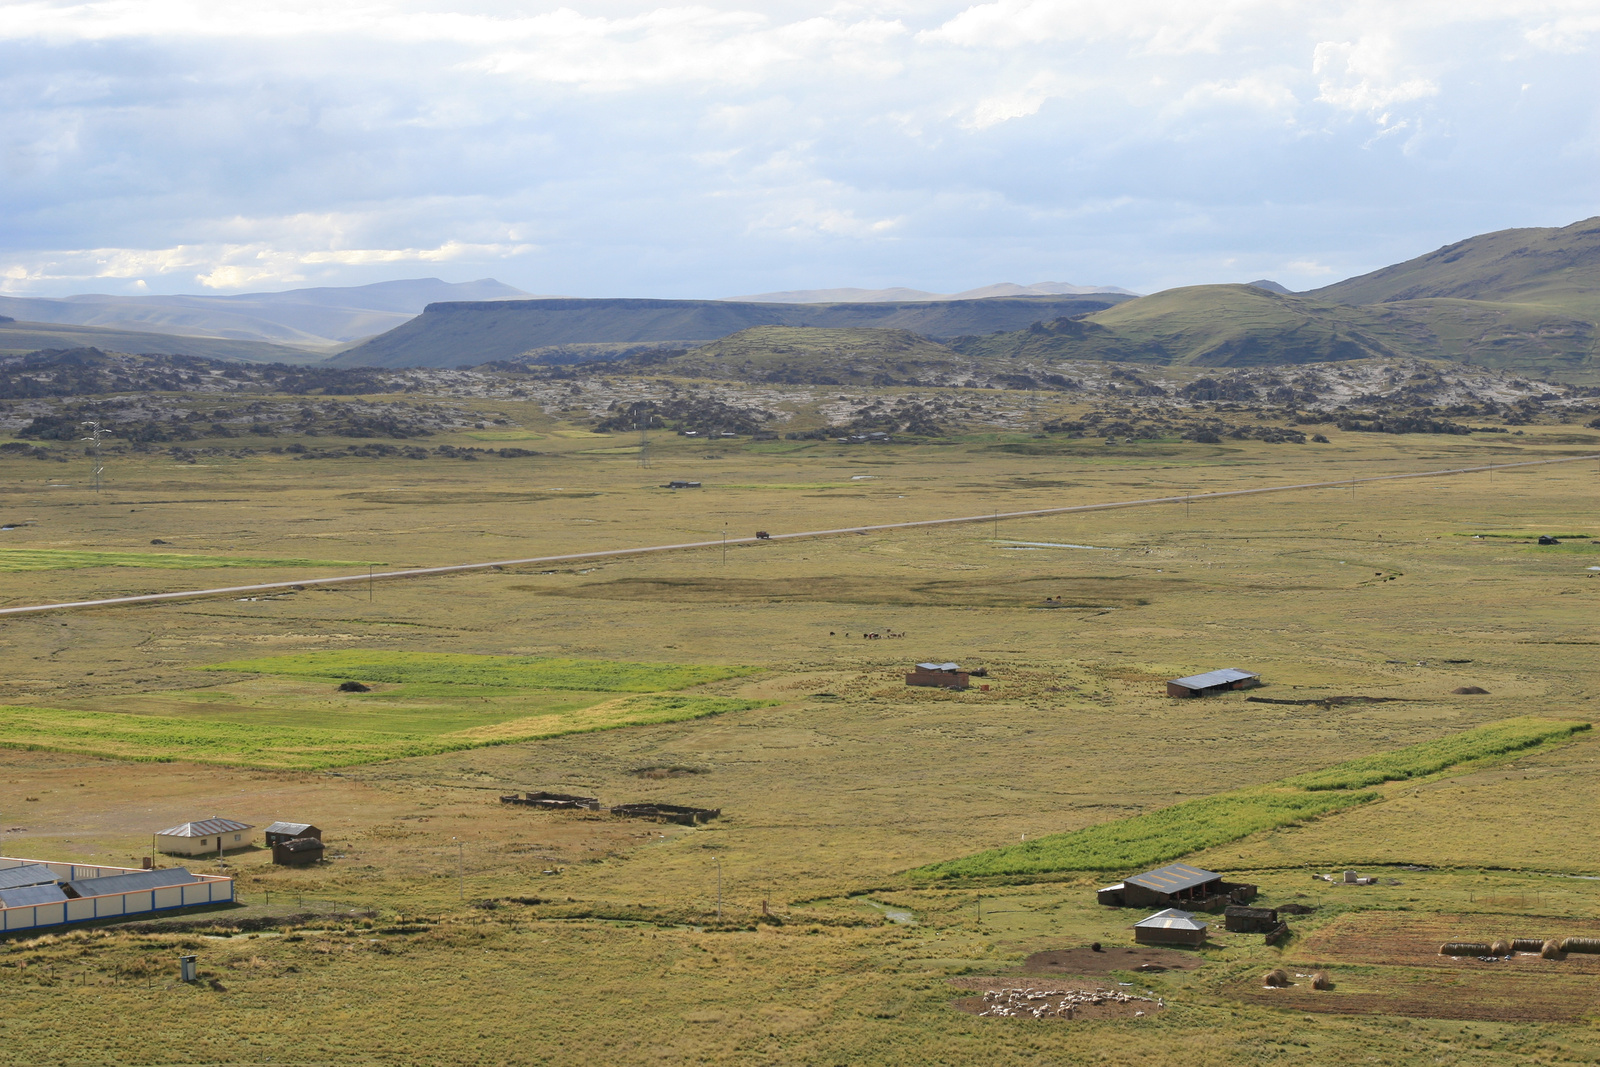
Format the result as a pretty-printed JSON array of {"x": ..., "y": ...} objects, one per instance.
[
  {"x": 1431, "y": 757},
  {"x": 160, "y": 739},
  {"x": 510, "y": 672},
  {"x": 1164, "y": 835},
  {"x": 52, "y": 559}
]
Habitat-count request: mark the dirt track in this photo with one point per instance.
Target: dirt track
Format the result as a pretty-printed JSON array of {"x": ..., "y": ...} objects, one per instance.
[{"x": 574, "y": 557}]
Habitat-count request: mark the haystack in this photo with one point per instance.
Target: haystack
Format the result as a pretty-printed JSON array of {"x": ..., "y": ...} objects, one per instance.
[
  {"x": 1580, "y": 944},
  {"x": 1464, "y": 948},
  {"x": 1500, "y": 948},
  {"x": 1470, "y": 690},
  {"x": 1321, "y": 980},
  {"x": 1527, "y": 944},
  {"x": 1276, "y": 979},
  {"x": 1551, "y": 950}
]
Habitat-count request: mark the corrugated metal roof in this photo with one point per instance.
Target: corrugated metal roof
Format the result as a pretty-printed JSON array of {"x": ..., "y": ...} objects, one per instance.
[
  {"x": 295, "y": 828},
  {"x": 131, "y": 883},
  {"x": 940, "y": 666},
  {"x": 27, "y": 874},
  {"x": 205, "y": 828},
  {"x": 1171, "y": 919},
  {"x": 31, "y": 894},
  {"x": 1211, "y": 678},
  {"x": 1173, "y": 878}
]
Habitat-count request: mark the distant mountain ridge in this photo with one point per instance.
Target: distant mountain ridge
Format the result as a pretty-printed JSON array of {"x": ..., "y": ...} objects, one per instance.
[
  {"x": 465, "y": 334},
  {"x": 903, "y": 295},
  {"x": 311, "y": 318}
]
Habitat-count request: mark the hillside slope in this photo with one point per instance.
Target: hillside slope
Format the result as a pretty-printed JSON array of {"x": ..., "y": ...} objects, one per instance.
[
  {"x": 1546, "y": 265},
  {"x": 811, "y": 355},
  {"x": 467, "y": 334}
]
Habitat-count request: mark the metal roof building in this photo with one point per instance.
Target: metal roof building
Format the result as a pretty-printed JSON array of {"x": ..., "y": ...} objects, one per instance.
[
  {"x": 25, "y": 896},
  {"x": 280, "y": 832},
  {"x": 1172, "y": 884},
  {"x": 1170, "y": 927},
  {"x": 939, "y": 675},
  {"x": 134, "y": 882},
  {"x": 25, "y": 875},
  {"x": 204, "y": 836},
  {"x": 1218, "y": 681}
]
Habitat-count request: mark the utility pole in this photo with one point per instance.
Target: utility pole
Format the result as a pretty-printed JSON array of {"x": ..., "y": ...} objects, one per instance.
[
  {"x": 719, "y": 887},
  {"x": 369, "y": 583},
  {"x": 97, "y": 468},
  {"x": 461, "y": 871},
  {"x": 724, "y": 543}
]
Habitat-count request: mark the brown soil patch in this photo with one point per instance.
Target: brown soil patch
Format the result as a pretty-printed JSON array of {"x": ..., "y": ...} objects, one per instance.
[
  {"x": 1084, "y": 960},
  {"x": 1431, "y": 993},
  {"x": 1024, "y": 995},
  {"x": 1412, "y": 939}
]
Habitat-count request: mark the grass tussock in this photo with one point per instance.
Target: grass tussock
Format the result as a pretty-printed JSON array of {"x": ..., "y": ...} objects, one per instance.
[
  {"x": 55, "y": 559},
  {"x": 1431, "y": 757},
  {"x": 508, "y": 672}
]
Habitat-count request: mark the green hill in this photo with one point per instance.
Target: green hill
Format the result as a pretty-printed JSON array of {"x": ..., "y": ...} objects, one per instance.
[
  {"x": 1526, "y": 301},
  {"x": 1555, "y": 267}
]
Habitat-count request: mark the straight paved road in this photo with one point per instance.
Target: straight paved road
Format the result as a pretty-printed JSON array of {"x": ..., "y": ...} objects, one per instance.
[{"x": 579, "y": 557}]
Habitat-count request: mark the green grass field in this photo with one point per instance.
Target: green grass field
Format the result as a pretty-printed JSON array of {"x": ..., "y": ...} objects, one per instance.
[
  {"x": 276, "y": 744},
  {"x": 509, "y": 672}
]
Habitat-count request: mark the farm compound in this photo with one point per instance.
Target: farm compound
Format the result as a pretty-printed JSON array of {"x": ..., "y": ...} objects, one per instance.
[
  {"x": 1170, "y": 927},
  {"x": 553, "y": 801},
  {"x": 204, "y": 836},
  {"x": 40, "y": 893},
  {"x": 1220, "y": 681},
  {"x": 299, "y": 852},
  {"x": 939, "y": 675},
  {"x": 1176, "y": 883}
]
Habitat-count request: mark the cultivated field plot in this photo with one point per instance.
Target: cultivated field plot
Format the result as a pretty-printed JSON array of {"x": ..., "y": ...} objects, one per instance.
[
  {"x": 290, "y": 711},
  {"x": 1426, "y": 993}
]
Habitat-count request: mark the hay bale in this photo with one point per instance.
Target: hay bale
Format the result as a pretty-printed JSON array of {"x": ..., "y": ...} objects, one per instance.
[
  {"x": 1278, "y": 978},
  {"x": 1580, "y": 944},
  {"x": 1470, "y": 690},
  {"x": 1527, "y": 944},
  {"x": 1320, "y": 980},
  {"x": 1500, "y": 948},
  {"x": 1464, "y": 948},
  {"x": 1550, "y": 950}
]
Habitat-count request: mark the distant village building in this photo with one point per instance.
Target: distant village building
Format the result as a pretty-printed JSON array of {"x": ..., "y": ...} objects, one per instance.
[
  {"x": 279, "y": 832},
  {"x": 205, "y": 836},
  {"x": 1176, "y": 883},
  {"x": 1170, "y": 927},
  {"x": 1199, "y": 685},
  {"x": 939, "y": 675}
]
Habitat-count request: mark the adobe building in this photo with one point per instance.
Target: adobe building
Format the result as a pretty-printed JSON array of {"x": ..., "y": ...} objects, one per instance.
[{"x": 205, "y": 836}]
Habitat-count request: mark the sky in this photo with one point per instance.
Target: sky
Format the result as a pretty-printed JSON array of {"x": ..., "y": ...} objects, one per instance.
[{"x": 724, "y": 148}]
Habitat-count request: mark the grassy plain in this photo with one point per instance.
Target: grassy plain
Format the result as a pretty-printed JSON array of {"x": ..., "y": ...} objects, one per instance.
[{"x": 846, "y": 779}]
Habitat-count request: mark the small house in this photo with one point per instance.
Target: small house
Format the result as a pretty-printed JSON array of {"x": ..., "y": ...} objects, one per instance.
[
  {"x": 205, "y": 836},
  {"x": 279, "y": 832},
  {"x": 939, "y": 676},
  {"x": 300, "y": 852},
  {"x": 1170, "y": 927},
  {"x": 1220, "y": 681}
]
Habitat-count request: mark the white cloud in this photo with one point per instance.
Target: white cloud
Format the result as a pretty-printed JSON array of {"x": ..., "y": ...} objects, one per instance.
[{"x": 699, "y": 147}]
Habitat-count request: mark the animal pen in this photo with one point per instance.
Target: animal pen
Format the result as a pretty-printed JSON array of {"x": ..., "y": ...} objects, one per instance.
[{"x": 42, "y": 893}]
